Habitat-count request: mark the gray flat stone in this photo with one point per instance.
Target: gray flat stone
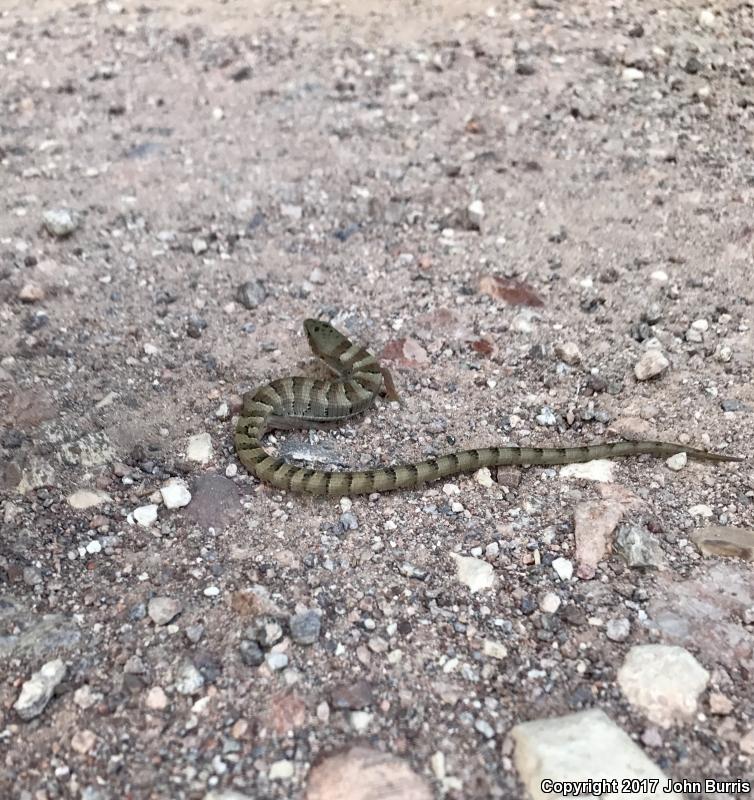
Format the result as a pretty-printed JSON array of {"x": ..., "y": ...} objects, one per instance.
[
  {"x": 26, "y": 633},
  {"x": 37, "y": 691},
  {"x": 162, "y": 610},
  {"x": 581, "y": 747},
  {"x": 664, "y": 681},
  {"x": 215, "y": 501}
]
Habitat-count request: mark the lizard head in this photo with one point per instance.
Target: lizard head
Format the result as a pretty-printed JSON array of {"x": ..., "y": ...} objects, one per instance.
[
  {"x": 340, "y": 354},
  {"x": 324, "y": 340}
]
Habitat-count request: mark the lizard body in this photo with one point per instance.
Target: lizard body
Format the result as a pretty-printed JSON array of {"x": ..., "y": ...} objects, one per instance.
[{"x": 307, "y": 402}]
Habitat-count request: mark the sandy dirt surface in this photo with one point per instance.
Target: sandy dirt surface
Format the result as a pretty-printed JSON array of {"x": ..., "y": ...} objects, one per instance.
[{"x": 539, "y": 215}]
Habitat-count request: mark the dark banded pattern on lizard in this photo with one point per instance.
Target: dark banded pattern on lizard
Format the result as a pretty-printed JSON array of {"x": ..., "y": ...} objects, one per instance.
[{"x": 300, "y": 402}]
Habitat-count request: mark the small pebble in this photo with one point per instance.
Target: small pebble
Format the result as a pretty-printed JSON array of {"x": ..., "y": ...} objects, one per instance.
[
  {"x": 348, "y": 521},
  {"x": 134, "y": 666},
  {"x": 281, "y": 771},
  {"x": 31, "y": 293},
  {"x": 568, "y": 353},
  {"x": 600, "y": 470},
  {"x": 733, "y": 405},
  {"x": 60, "y": 222},
  {"x": 84, "y": 697},
  {"x": 156, "y": 699},
  {"x": 707, "y": 18},
  {"x": 523, "y": 322},
  {"x": 483, "y": 477},
  {"x": 32, "y": 576},
  {"x": 195, "y": 326},
  {"x": 145, "y": 515},
  {"x": 194, "y": 633},
  {"x": 317, "y": 276},
  {"x": 484, "y": 728},
  {"x": 83, "y": 741},
  {"x": 693, "y": 335},
  {"x": 746, "y": 744},
  {"x": 638, "y": 547},
  {"x": 693, "y": 65},
  {"x": 618, "y": 630},
  {"x": 251, "y": 294},
  {"x": 360, "y": 720},
  {"x": 475, "y": 213},
  {"x": 188, "y": 680},
  {"x": 474, "y": 572},
  {"x": 494, "y": 649},
  {"x": 677, "y": 462},
  {"x": 720, "y": 704},
  {"x": 651, "y": 365},
  {"x": 631, "y": 74},
  {"x": 251, "y": 653},
  {"x": 88, "y": 498},
  {"x": 701, "y": 510},
  {"x": 265, "y": 630},
  {"x": 437, "y": 763},
  {"x": 163, "y": 610},
  {"x": 525, "y": 68},
  {"x": 199, "y": 448},
  {"x": 652, "y": 737},
  {"x": 549, "y": 603},
  {"x": 37, "y": 691},
  {"x": 724, "y": 354},
  {"x": 175, "y": 493},
  {"x": 305, "y": 627},
  {"x": 276, "y": 661},
  {"x": 564, "y": 568},
  {"x": 412, "y": 571},
  {"x": 547, "y": 417}
]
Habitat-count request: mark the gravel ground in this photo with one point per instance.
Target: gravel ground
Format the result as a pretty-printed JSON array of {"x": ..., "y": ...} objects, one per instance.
[{"x": 539, "y": 215}]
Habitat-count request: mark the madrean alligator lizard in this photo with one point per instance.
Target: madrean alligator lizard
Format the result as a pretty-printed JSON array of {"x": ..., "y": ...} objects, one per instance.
[{"x": 299, "y": 402}]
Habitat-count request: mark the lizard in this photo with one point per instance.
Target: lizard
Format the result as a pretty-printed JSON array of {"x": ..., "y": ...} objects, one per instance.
[{"x": 303, "y": 402}]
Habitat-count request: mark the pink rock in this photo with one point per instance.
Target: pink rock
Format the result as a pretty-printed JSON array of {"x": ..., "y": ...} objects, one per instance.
[
  {"x": 510, "y": 291},
  {"x": 362, "y": 773},
  {"x": 594, "y": 523},
  {"x": 406, "y": 352},
  {"x": 286, "y": 712}
]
